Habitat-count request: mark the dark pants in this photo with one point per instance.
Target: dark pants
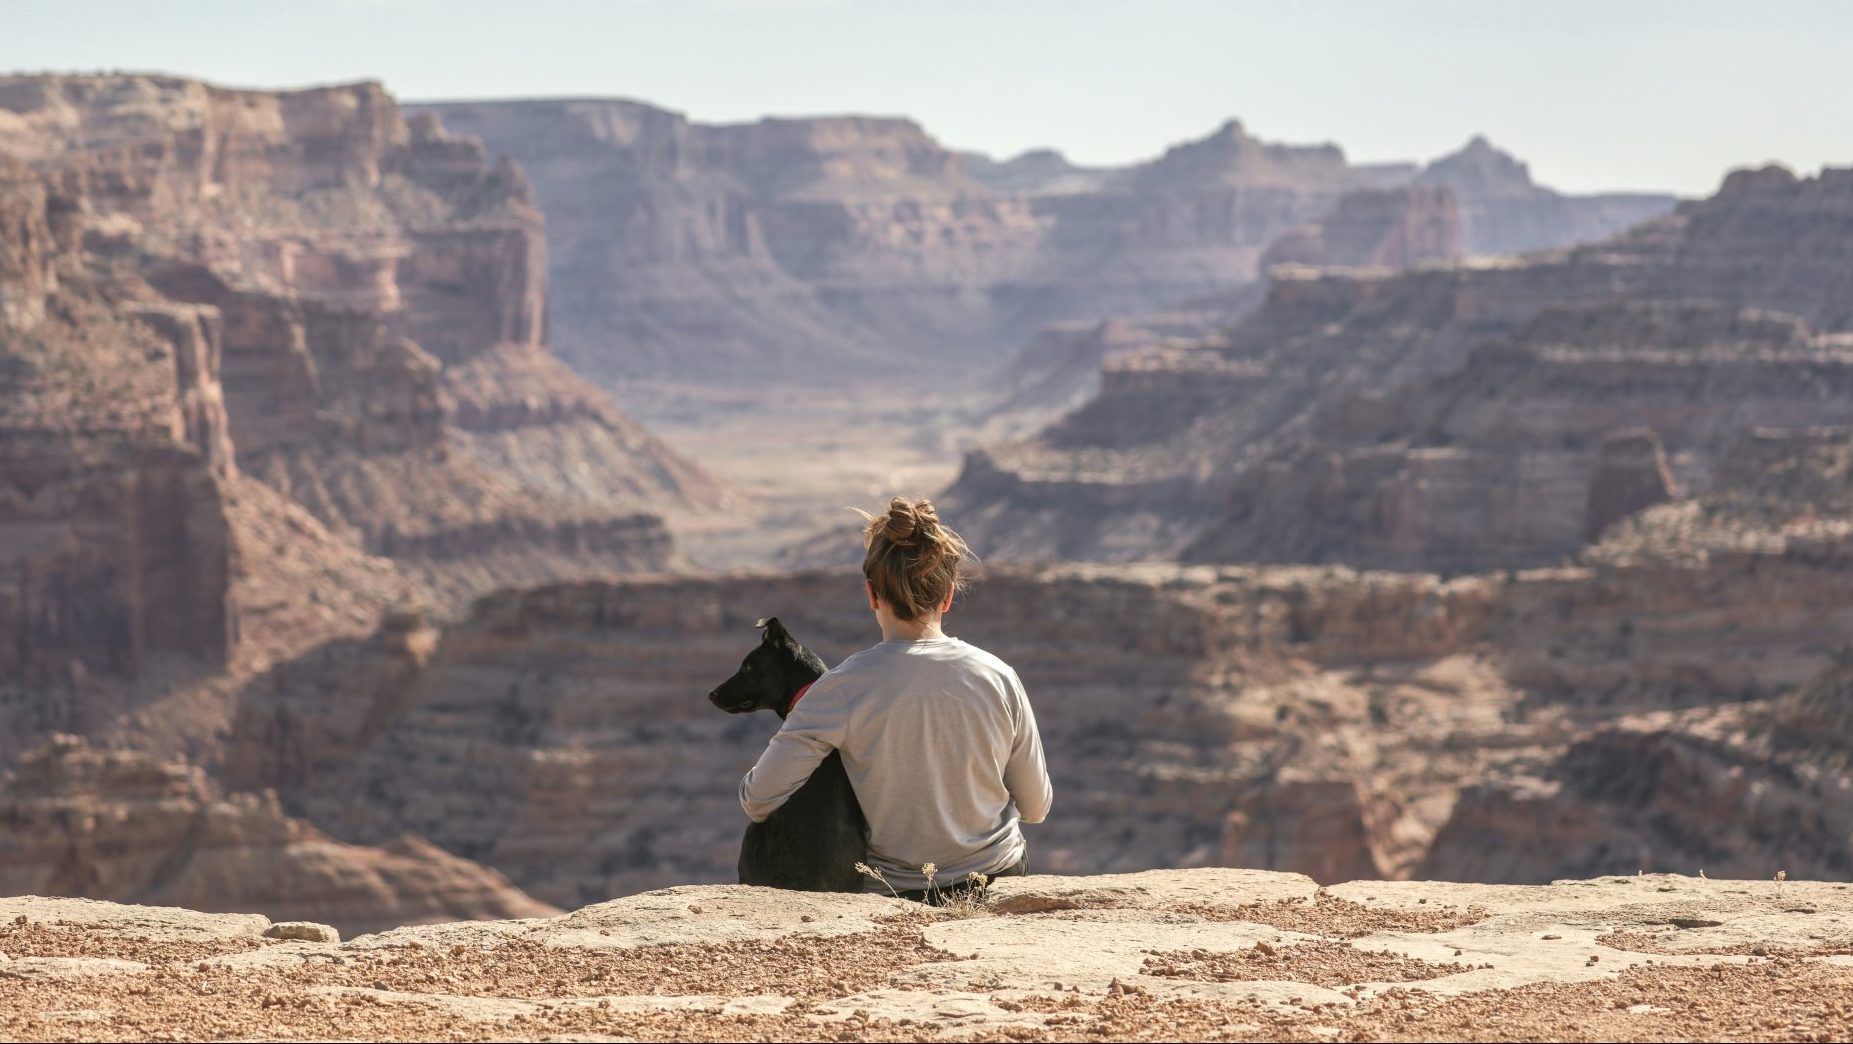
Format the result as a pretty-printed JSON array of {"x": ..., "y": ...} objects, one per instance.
[{"x": 964, "y": 889}]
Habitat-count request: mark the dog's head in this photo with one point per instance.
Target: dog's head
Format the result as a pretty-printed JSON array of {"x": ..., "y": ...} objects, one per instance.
[{"x": 770, "y": 675}]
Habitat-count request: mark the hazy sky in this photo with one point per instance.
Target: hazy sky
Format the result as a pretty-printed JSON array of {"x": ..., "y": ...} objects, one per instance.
[{"x": 1595, "y": 95}]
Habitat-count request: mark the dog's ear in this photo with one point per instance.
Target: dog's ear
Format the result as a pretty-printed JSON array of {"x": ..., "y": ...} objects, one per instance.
[{"x": 774, "y": 629}]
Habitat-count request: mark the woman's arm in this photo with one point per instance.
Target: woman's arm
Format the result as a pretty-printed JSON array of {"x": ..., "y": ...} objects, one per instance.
[
  {"x": 813, "y": 730},
  {"x": 1026, "y": 775}
]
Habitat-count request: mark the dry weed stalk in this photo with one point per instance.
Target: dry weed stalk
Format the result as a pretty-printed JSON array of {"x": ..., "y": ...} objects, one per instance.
[
  {"x": 868, "y": 871},
  {"x": 967, "y": 900}
]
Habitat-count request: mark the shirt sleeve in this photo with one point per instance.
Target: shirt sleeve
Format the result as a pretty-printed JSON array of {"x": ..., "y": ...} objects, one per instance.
[
  {"x": 1026, "y": 775},
  {"x": 811, "y": 731}
]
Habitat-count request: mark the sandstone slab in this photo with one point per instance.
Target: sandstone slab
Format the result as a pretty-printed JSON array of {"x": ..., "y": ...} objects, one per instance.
[
  {"x": 302, "y": 931},
  {"x": 1140, "y": 956}
]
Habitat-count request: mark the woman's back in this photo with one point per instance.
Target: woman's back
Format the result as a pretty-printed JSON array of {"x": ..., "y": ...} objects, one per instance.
[{"x": 937, "y": 737}]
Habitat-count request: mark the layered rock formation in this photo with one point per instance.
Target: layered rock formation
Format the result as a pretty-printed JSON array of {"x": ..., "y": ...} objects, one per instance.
[
  {"x": 1449, "y": 416},
  {"x": 805, "y": 247},
  {"x": 201, "y": 287},
  {"x": 271, "y": 364},
  {"x": 1503, "y": 211},
  {"x": 1377, "y": 228},
  {"x": 1732, "y": 791},
  {"x": 1059, "y": 369},
  {"x": 130, "y": 827},
  {"x": 1320, "y": 720},
  {"x": 1164, "y": 955},
  {"x": 113, "y": 471},
  {"x": 1755, "y": 781}
]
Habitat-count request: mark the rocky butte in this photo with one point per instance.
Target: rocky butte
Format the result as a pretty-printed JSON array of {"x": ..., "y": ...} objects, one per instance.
[
  {"x": 796, "y": 248},
  {"x": 1453, "y": 416},
  {"x": 254, "y": 338},
  {"x": 1160, "y": 955},
  {"x": 271, "y": 365}
]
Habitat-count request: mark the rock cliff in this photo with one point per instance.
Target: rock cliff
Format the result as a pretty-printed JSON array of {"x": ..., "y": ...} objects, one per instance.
[
  {"x": 1312, "y": 719},
  {"x": 796, "y": 248},
  {"x": 1450, "y": 416},
  {"x": 205, "y": 289},
  {"x": 1377, "y": 228},
  {"x": 272, "y": 365},
  {"x": 1162, "y": 955},
  {"x": 1503, "y": 211},
  {"x": 1060, "y": 368},
  {"x": 128, "y": 826}
]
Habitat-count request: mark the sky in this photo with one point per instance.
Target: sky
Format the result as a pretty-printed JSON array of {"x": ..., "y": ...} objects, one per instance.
[{"x": 1621, "y": 94}]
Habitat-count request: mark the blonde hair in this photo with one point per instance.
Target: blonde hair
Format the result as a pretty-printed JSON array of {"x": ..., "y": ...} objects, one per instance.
[{"x": 912, "y": 559}]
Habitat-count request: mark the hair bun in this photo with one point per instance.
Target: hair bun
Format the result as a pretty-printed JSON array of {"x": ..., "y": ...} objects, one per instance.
[
  {"x": 909, "y": 524},
  {"x": 912, "y": 560}
]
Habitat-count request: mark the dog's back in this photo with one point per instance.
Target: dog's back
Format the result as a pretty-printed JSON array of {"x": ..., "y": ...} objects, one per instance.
[{"x": 813, "y": 841}]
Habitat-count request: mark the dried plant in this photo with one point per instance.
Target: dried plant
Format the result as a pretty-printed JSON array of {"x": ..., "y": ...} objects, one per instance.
[
  {"x": 868, "y": 871},
  {"x": 962, "y": 900}
]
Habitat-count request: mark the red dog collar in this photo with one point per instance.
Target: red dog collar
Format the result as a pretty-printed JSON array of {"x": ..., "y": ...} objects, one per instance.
[{"x": 796, "y": 696}]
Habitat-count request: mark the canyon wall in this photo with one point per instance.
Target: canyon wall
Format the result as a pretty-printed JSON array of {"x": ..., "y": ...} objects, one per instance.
[
  {"x": 1450, "y": 416},
  {"x": 1503, "y": 211},
  {"x": 1337, "y": 723},
  {"x": 801, "y": 248},
  {"x": 130, "y": 827},
  {"x": 1062, "y": 365},
  {"x": 114, "y": 451},
  {"x": 203, "y": 287}
]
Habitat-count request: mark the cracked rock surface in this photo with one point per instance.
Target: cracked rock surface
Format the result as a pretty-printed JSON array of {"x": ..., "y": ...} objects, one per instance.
[{"x": 1163, "y": 954}]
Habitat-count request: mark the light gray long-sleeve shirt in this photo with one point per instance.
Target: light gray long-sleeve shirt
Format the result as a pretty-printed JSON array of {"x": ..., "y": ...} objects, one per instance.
[{"x": 940, "y": 747}]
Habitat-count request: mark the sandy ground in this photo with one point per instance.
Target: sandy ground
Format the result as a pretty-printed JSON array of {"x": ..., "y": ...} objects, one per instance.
[
  {"x": 801, "y": 457},
  {"x": 1163, "y": 955}
]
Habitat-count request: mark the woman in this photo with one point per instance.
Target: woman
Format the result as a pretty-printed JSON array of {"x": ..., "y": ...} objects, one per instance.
[{"x": 937, "y": 735}]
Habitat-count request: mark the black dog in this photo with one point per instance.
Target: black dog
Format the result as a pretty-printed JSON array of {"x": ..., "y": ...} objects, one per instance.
[{"x": 813, "y": 841}]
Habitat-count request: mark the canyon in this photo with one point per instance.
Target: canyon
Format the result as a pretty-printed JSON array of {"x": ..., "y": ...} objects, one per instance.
[
  {"x": 1364, "y": 522},
  {"x": 272, "y": 368},
  {"x": 1451, "y": 416},
  {"x": 232, "y": 312},
  {"x": 736, "y": 285},
  {"x": 1337, "y": 723},
  {"x": 832, "y": 248}
]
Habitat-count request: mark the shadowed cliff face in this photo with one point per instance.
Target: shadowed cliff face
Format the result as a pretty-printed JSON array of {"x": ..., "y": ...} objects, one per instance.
[
  {"x": 122, "y": 825},
  {"x": 1334, "y": 723},
  {"x": 203, "y": 287},
  {"x": 804, "y": 247},
  {"x": 1448, "y": 417}
]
